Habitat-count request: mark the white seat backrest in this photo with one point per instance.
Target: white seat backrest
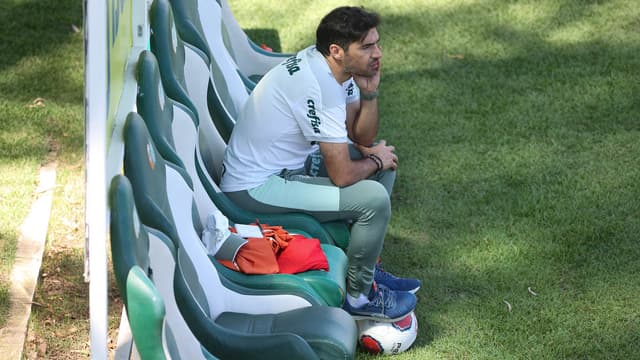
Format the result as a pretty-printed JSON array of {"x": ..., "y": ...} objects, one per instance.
[
  {"x": 187, "y": 148},
  {"x": 197, "y": 77},
  {"x": 219, "y": 297},
  {"x": 224, "y": 70},
  {"x": 162, "y": 260}
]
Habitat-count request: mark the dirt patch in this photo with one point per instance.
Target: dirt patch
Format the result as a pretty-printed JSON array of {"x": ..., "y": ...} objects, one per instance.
[{"x": 59, "y": 327}]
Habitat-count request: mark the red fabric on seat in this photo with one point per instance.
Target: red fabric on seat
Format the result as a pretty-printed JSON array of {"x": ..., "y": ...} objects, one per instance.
[
  {"x": 278, "y": 252},
  {"x": 302, "y": 254}
]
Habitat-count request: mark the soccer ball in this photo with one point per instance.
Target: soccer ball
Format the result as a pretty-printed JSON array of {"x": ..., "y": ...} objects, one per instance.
[{"x": 388, "y": 338}]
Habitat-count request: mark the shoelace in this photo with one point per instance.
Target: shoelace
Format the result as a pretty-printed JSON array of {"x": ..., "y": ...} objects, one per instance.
[
  {"x": 384, "y": 297},
  {"x": 383, "y": 274}
]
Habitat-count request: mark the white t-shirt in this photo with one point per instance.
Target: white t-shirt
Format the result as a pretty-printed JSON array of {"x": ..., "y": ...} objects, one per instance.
[{"x": 295, "y": 105}]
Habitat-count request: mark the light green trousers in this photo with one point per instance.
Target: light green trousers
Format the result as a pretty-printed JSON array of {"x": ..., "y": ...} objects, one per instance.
[{"x": 365, "y": 205}]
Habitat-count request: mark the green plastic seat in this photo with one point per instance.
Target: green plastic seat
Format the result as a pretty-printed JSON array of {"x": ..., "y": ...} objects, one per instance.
[
  {"x": 177, "y": 73},
  {"x": 173, "y": 127},
  {"x": 155, "y": 202},
  {"x": 175, "y": 132},
  {"x": 172, "y": 315},
  {"x": 139, "y": 254},
  {"x": 191, "y": 73}
]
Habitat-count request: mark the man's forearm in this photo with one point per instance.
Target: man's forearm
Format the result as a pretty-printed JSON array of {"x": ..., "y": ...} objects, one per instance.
[
  {"x": 357, "y": 170},
  {"x": 365, "y": 127},
  {"x": 342, "y": 170}
]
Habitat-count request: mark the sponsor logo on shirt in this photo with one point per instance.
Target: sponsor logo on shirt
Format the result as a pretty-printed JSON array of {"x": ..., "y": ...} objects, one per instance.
[
  {"x": 350, "y": 89},
  {"x": 313, "y": 117},
  {"x": 292, "y": 64}
]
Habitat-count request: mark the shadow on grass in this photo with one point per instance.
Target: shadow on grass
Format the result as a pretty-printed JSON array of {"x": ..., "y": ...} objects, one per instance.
[
  {"x": 41, "y": 82},
  {"x": 517, "y": 171},
  {"x": 35, "y": 28}
]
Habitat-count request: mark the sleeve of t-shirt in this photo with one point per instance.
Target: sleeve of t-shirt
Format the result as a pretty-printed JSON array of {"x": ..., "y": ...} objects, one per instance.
[
  {"x": 352, "y": 91},
  {"x": 321, "y": 124}
]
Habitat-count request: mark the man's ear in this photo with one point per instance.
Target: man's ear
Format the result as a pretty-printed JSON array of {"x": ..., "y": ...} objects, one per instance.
[{"x": 336, "y": 52}]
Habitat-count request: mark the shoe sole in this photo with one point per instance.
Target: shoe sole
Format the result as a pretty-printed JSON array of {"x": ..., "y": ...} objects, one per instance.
[{"x": 378, "y": 317}]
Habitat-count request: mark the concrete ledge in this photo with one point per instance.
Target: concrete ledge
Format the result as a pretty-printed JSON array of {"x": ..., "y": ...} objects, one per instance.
[{"x": 24, "y": 275}]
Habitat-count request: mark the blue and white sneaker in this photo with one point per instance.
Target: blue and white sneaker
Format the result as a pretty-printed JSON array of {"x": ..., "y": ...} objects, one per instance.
[
  {"x": 384, "y": 305},
  {"x": 395, "y": 283}
]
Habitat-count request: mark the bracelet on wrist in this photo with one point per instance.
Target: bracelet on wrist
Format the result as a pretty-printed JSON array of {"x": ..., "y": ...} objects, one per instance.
[
  {"x": 368, "y": 96},
  {"x": 376, "y": 159}
]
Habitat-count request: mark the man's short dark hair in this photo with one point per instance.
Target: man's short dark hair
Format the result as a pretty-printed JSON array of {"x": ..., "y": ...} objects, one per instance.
[{"x": 343, "y": 26}]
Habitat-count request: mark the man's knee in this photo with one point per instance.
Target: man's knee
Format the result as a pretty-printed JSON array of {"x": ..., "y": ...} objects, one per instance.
[
  {"x": 368, "y": 196},
  {"x": 378, "y": 196}
]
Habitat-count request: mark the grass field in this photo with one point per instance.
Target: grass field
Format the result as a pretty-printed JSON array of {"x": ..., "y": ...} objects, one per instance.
[
  {"x": 41, "y": 91},
  {"x": 517, "y": 125}
]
